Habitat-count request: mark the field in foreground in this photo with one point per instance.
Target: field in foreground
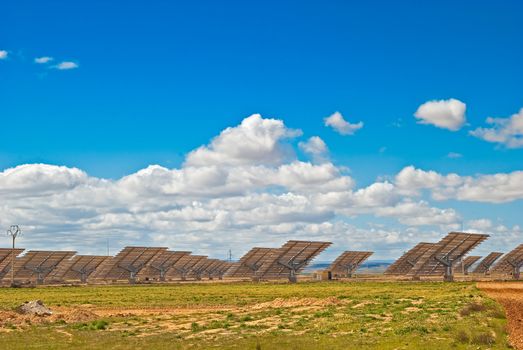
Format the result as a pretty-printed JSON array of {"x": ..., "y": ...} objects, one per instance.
[{"x": 329, "y": 315}]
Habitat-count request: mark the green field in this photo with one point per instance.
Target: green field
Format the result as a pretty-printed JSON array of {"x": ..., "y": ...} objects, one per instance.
[{"x": 327, "y": 315}]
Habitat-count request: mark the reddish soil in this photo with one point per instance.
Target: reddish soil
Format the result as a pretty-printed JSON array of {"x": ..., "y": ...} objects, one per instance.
[{"x": 510, "y": 295}]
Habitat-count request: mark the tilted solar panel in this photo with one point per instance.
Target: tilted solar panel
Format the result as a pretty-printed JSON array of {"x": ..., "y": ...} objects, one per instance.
[
  {"x": 199, "y": 270},
  {"x": 407, "y": 261},
  {"x": 348, "y": 262},
  {"x": 219, "y": 270},
  {"x": 184, "y": 266},
  {"x": 290, "y": 259},
  {"x": 6, "y": 256},
  {"x": 511, "y": 263},
  {"x": 79, "y": 267},
  {"x": 127, "y": 263},
  {"x": 463, "y": 265},
  {"x": 485, "y": 264},
  {"x": 250, "y": 263},
  {"x": 36, "y": 265},
  {"x": 161, "y": 264},
  {"x": 440, "y": 258}
]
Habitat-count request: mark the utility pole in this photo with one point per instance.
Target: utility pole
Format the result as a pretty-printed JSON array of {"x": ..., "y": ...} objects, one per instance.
[
  {"x": 13, "y": 231},
  {"x": 230, "y": 255}
]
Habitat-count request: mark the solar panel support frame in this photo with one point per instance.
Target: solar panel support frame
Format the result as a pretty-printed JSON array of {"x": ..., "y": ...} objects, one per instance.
[
  {"x": 84, "y": 273},
  {"x": 183, "y": 272},
  {"x": 133, "y": 270},
  {"x": 449, "y": 273},
  {"x": 293, "y": 267},
  {"x": 40, "y": 271},
  {"x": 516, "y": 273},
  {"x": 350, "y": 269},
  {"x": 162, "y": 270}
]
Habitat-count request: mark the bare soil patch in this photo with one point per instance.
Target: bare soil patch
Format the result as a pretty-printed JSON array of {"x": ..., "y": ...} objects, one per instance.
[{"x": 510, "y": 295}]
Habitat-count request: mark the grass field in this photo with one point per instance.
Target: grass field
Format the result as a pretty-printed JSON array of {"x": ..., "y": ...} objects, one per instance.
[{"x": 333, "y": 315}]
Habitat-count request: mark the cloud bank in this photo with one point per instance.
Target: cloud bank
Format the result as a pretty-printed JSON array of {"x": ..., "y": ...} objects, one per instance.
[{"x": 246, "y": 187}]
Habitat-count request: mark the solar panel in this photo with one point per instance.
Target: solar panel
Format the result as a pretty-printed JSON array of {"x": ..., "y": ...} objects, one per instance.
[
  {"x": 163, "y": 262},
  {"x": 405, "y": 263},
  {"x": 38, "y": 264},
  {"x": 511, "y": 263},
  {"x": 6, "y": 255},
  {"x": 183, "y": 266},
  {"x": 79, "y": 267},
  {"x": 348, "y": 262},
  {"x": 127, "y": 263},
  {"x": 440, "y": 258},
  {"x": 485, "y": 264},
  {"x": 202, "y": 268},
  {"x": 290, "y": 259},
  {"x": 250, "y": 263},
  {"x": 219, "y": 269},
  {"x": 463, "y": 265}
]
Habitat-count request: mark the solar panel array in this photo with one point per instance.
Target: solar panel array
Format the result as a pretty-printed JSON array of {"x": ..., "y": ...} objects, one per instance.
[
  {"x": 160, "y": 264},
  {"x": 348, "y": 262},
  {"x": 127, "y": 263},
  {"x": 6, "y": 255},
  {"x": 485, "y": 264},
  {"x": 464, "y": 265},
  {"x": 439, "y": 259},
  {"x": 511, "y": 263},
  {"x": 407, "y": 261},
  {"x": 79, "y": 267},
  {"x": 290, "y": 259},
  {"x": 250, "y": 263},
  {"x": 36, "y": 265}
]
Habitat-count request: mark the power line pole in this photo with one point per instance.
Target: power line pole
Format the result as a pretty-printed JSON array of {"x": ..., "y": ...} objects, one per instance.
[
  {"x": 13, "y": 231},
  {"x": 230, "y": 255}
]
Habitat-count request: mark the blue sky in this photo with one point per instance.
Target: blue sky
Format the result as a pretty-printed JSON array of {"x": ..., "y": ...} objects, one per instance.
[{"x": 156, "y": 80}]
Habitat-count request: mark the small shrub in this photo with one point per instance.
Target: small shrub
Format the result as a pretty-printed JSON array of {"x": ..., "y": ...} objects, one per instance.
[
  {"x": 99, "y": 325},
  {"x": 484, "y": 339},
  {"x": 472, "y": 307},
  {"x": 195, "y": 327},
  {"x": 462, "y": 337}
]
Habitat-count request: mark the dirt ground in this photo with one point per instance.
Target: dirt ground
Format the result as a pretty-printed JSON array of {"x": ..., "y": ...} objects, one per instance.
[
  {"x": 510, "y": 295},
  {"x": 87, "y": 312}
]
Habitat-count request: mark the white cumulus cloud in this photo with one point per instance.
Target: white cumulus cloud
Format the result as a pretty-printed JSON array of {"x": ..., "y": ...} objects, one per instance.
[
  {"x": 340, "y": 125},
  {"x": 315, "y": 147},
  {"x": 43, "y": 59},
  {"x": 255, "y": 141},
  {"x": 66, "y": 65},
  {"x": 446, "y": 114},
  {"x": 504, "y": 131},
  {"x": 3, "y": 54}
]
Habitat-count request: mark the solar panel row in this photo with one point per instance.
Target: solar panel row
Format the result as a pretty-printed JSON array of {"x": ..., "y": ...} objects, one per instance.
[{"x": 160, "y": 264}]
